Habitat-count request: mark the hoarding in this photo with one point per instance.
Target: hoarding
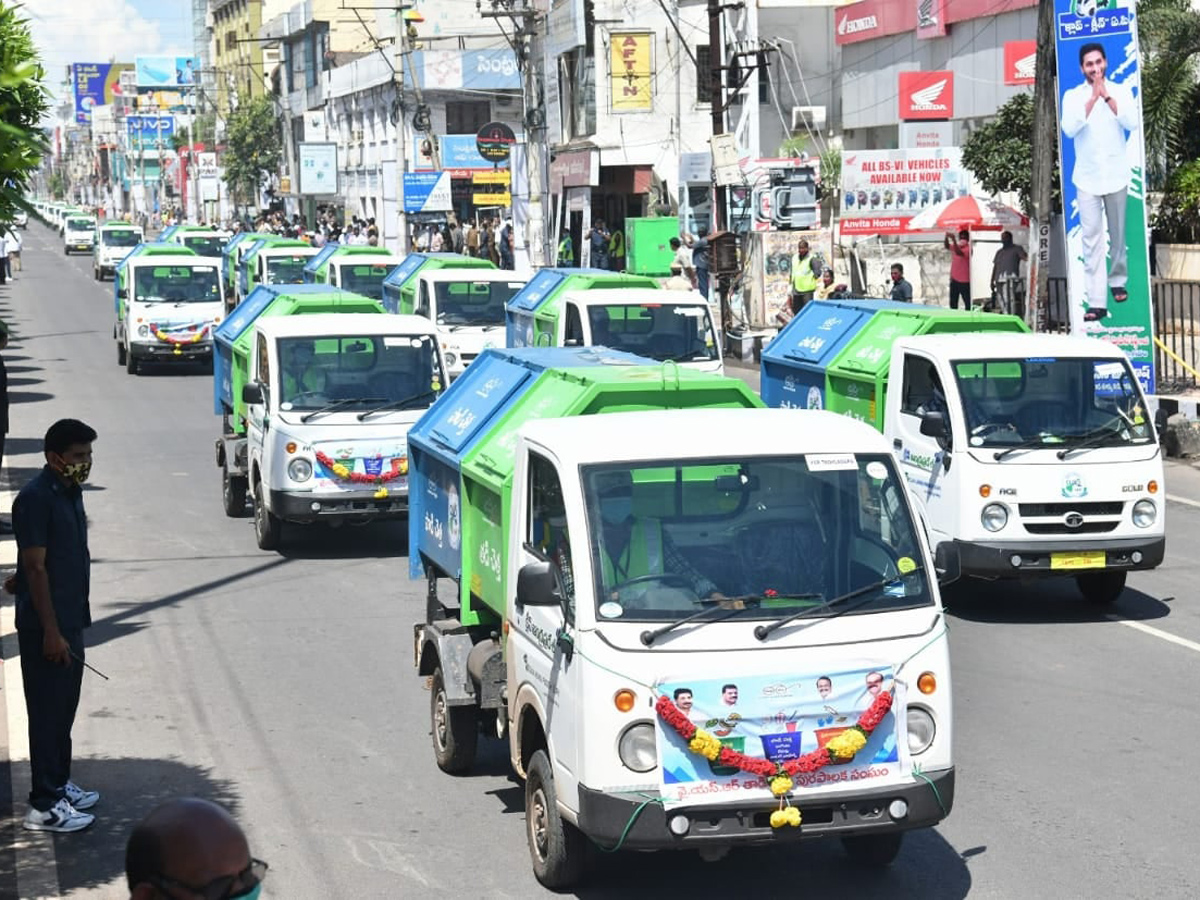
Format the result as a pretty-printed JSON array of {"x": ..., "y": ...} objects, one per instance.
[
  {"x": 460, "y": 155},
  {"x": 318, "y": 168},
  {"x": 159, "y": 72},
  {"x": 632, "y": 78},
  {"x": 95, "y": 84},
  {"x": 149, "y": 132},
  {"x": 1103, "y": 168},
  {"x": 427, "y": 192},
  {"x": 883, "y": 189},
  {"x": 469, "y": 70}
]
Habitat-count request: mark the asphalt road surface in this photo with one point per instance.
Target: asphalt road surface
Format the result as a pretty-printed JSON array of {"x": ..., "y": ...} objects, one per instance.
[{"x": 283, "y": 686}]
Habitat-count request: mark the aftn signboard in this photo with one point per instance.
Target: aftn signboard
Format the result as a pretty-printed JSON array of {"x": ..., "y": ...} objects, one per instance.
[{"x": 926, "y": 95}]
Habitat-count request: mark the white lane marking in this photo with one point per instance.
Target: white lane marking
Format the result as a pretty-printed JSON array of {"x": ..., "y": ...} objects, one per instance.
[
  {"x": 1156, "y": 632},
  {"x": 1184, "y": 500}
]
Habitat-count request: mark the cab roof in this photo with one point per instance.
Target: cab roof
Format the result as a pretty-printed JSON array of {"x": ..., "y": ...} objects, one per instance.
[
  {"x": 318, "y": 324},
  {"x": 1000, "y": 345},
  {"x": 440, "y": 275},
  {"x": 633, "y": 296},
  {"x": 702, "y": 434}
]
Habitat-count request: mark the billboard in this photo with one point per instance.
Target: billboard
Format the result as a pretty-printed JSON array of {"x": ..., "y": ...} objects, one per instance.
[
  {"x": 94, "y": 84},
  {"x": 469, "y": 70},
  {"x": 883, "y": 189},
  {"x": 1102, "y": 164},
  {"x": 632, "y": 78},
  {"x": 460, "y": 155},
  {"x": 158, "y": 72},
  {"x": 318, "y": 168},
  {"x": 149, "y": 132}
]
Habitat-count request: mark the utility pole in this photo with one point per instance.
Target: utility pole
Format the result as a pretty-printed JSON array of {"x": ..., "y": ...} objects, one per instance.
[
  {"x": 716, "y": 54},
  {"x": 1045, "y": 152},
  {"x": 401, "y": 45}
]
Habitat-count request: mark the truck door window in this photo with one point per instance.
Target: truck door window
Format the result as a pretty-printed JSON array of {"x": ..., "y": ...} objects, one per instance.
[
  {"x": 546, "y": 528},
  {"x": 921, "y": 383},
  {"x": 264, "y": 364},
  {"x": 422, "y": 300},
  {"x": 574, "y": 331}
]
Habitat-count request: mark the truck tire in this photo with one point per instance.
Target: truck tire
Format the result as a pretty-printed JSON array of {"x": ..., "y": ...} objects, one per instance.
[
  {"x": 874, "y": 850},
  {"x": 556, "y": 847},
  {"x": 455, "y": 729},
  {"x": 268, "y": 529},
  {"x": 131, "y": 363},
  {"x": 1101, "y": 587},
  {"x": 233, "y": 493}
]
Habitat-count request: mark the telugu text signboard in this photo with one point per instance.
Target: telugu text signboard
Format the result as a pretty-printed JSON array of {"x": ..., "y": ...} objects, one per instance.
[{"x": 94, "y": 84}]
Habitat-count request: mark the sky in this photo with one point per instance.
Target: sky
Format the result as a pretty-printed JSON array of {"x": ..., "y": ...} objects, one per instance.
[{"x": 68, "y": 31}]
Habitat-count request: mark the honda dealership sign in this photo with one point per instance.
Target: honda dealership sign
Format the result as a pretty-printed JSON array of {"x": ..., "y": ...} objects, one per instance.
[
  {"x": 926, "y": 95},
  {"x": 1020, "y": 62}
]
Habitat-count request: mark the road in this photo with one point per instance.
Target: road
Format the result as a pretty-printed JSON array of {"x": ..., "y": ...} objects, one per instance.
[{"x": 283, "y": 686}]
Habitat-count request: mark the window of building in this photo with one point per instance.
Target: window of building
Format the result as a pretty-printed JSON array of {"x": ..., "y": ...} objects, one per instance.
[
  {"x": 703, "y": 74},
  {"x": 467, "y": 116},
  {"x": 230, "y": 40}
]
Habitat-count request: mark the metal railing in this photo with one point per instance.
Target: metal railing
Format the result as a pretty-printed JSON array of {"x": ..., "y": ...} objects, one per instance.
[{"x": 1177, "y": 325}]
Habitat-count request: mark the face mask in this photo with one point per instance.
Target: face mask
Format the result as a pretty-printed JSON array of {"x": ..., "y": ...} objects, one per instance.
[
  {"x": 77, "y": 472},
  {"x": 614, "y": 510}
]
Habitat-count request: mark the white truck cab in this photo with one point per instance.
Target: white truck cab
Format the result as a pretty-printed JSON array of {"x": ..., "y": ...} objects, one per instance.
[
  {"x": 79, "y": 233},
  {"x": 657, "y": 324},
  {"x": 170, "y": 308},
  {"x": 112, "y": 245},
  {"x": 1034, "y": 455},
  {"x": 467, "y": 308},
  {"x": 329, "y": 401}
]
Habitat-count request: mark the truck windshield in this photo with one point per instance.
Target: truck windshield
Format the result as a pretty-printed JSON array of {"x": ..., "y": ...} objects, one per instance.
[
  {"x": 176, "y": 284},
  {"x": 81, "y": 224},
  {"x": 359, "y": 372},
  {"x": 1052, "y": 402},
  {"x": 365, "y": 280},
  {"x": 783, "y": 535},
  {"x": 286, "y": 269},
  {"x": 121, "y": 237},
  {"x": 478, "y": 303},
  {"x": 205, "y": 245},
  {"x": 674, "y": 331}
]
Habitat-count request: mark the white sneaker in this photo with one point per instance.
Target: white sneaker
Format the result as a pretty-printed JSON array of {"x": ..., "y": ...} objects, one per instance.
[
  {"x": 61, "y": 818},
  {"x": 79, "y": 798}
]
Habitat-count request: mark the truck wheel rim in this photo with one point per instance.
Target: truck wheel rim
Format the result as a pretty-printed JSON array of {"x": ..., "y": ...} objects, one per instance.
[
  {"x": 439, "y": 719},
  {"x": 537, "y": 822}
]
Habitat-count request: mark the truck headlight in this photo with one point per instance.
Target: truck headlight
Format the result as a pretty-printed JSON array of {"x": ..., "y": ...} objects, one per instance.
[
  {"x": 636, "y": 747},
  {"x": 143, "y": 331},
  {"x": 300, "y": 469},
  {"x": 451, "y": 358},
  {"x": 1144, "y": 513},
  {"x": 994, "y": 516},
  {"x": 921, "y": 729}
]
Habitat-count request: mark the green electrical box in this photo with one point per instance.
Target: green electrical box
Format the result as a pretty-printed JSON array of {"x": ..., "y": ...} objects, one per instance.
[{"x": 648, "y": 245}]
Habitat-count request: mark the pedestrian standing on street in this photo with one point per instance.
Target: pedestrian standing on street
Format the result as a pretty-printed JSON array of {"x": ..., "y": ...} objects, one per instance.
[
  {"x": 1006, "y": 269},
  {"x": 473, "y": 239},
  {"x": 456, "y": 236},
  {"x": 698, "y": 244},
  {"x": 52, "y": 585},
  {"x": 901, "y": 289},
  {"x": 3, "y": 254},
  {"x": 960, "y": 267},
  {"x": 616, "y": 250},
  {"x": 681, "y": 263},
  {"x": 14, "y": 251},
  {"x": 487, "y": 241},
  {"x": 599, "y": 238},
  {"x": 806, "y": 269},
  {"x": 507, "y": 245},
  {"x": 191, "y": 848}
]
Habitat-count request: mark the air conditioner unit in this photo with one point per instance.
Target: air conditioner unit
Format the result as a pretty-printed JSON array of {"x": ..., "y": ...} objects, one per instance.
[{"x": 808, "y": 118}]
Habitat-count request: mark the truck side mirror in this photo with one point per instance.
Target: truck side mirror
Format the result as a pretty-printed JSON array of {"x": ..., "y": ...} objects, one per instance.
[
  {"x": 947, "y": 563},
  {"x": 933, "y": 424},
  {"x": 252, "y": 393},
  {"x": 537, "y": 585}
]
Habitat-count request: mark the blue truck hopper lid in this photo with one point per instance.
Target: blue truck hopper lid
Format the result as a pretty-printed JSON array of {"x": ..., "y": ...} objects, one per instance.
[
  {"x": 816, "y": 334},
  {"x": 542, "y": 285},
  {"x": 315, "y": 262}
]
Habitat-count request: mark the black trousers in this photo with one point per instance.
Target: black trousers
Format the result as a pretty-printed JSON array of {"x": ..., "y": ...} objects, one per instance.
[
  {"x": 51, "y": 698},
  {"x": 960, "y": 289},
  {"x": 800, "y": 299}
]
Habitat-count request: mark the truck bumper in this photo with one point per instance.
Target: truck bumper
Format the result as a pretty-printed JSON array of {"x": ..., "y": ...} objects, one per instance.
[
  {"x": 996, "y": 559},
  {"x": 199, "y": 352},
  {"x": 604, "y": 817},
  {"x": 294, "y": 506}
]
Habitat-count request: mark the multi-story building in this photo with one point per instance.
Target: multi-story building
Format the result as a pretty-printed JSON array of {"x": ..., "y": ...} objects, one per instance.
[{"x": 237, "y": 52}]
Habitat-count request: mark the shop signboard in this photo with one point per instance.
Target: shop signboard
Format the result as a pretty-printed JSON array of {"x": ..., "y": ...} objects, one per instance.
[
  {"x": 931, "y": 18},
  {"x": 632, "y": 78},
  {"x": 926, "y": 95},
  {"x": 492, "y": 199},
  {"x": 149, "y": 132},
  {"x": 1103, "y": 177},
  {"x": 868, "y": 20},
  {"x": 926, "y": 135},
  {"x": 460, "y": 156},
  {"x": 573, "y": 168},
  {"x": 318, "y": 168},
  {"x": 500, "y": 176},
  {"x": 467, "y": 70},
  {"x": 95, "y": 84},
  {"x": 883, "y": 189},
  {"x": 1020, "y": 62},
  {"x": 495, "y": 141},
  {"x": 427, "y": 192}
]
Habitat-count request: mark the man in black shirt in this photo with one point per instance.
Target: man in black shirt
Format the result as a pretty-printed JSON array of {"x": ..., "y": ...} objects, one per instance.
[{"x": 52, "y": 585}]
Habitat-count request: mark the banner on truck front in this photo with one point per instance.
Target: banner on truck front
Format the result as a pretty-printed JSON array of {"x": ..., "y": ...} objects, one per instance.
[
  {"x": 779, "y": 718},
  {"x": 1103, "y": 177}
]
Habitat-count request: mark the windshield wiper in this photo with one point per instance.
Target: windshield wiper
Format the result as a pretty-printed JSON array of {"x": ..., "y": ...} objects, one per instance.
[
  {"x": 1090, "y": 439},
  {"x": 1027, "y": 444},
  {"x": 751, "y": 601},
  {"x": 393, "y": 404},
  {"x": 338, "y": 404},
  {"x": 762, "y": 632}
]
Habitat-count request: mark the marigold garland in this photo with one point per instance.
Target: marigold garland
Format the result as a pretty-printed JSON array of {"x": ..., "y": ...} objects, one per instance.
[
  {"x": 168, "y": 338},
  {"x": 345, "y": 474},
  {"x": 841, "y": 748}
]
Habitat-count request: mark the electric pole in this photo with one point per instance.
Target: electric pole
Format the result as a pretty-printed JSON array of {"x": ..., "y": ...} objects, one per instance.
[
  {"x": 1045, "y": 152},
  {"x": 716, "y": 53},
  {"x": 401, "y": 46}
]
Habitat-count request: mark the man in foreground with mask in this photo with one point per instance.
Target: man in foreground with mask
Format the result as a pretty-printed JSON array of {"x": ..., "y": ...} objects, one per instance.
[
  {"x": 191, "y": 848},
  {"x": 51, "y": 584},
  {"x": 636, "y": 546}
]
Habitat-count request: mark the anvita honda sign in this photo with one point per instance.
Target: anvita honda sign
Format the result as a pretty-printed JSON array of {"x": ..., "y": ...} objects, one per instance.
[
  {"x": 883, "y": 189},
  {"x": 926, "y": 95},
  {"x": 1020, "y": 62}
]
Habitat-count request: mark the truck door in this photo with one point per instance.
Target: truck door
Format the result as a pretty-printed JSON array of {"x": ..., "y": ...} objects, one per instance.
[
  {"x": 424, "y": 301},
  {"x": 572, "y": 333},
  {"x": 257, "y": 422},
  {"x": 332, "y": 275},
  {"x": 539, "y": 657},
  {"x": 921, "y": 457}
]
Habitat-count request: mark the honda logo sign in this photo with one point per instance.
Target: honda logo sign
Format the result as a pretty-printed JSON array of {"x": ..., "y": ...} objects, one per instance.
[
  {"x": 926, "y": 95},
  {"x": 1020, "y": 62}
]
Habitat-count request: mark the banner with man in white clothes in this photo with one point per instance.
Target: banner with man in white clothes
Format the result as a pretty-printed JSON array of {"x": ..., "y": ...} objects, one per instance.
[{"x": 1103, "y": 170}]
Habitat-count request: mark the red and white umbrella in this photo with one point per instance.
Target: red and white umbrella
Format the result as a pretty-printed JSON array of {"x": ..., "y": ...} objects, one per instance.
[{"x": 968, "y": 212}]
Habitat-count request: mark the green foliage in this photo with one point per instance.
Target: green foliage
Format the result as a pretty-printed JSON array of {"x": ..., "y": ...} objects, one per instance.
[
  {"x": 1000, "y": 153},
  {"x": 206, "y": 133},
  {"x": 1177, "y": 219},
  {"x": 794, "y": 146},
  {"x": 1169, "y": 38},
  {"x": 23, "y": 101},
  {"x": 253, "y": 147}
]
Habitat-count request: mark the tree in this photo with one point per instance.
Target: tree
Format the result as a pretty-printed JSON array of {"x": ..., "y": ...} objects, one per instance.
[
  {"x": 1000, "y": 155},
  {"x": 23, "y": 101},
  {"x": 253, "y": 147},
  {"x": 1169, "y": 40},
  {"x": 206, "y": 132}
]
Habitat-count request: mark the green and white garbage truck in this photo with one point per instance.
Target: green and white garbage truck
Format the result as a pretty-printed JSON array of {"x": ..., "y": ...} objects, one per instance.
[
  {"x": 272, "y": 261},
  {"x": 354, "y": 267},
  {"x": 697, "y": 623},
  {"x": 317, "y": 389},
  {"x": 400, "y": 286},
  {"x": 114, "y": 241},
  {"x": 1033, "y": 456}
]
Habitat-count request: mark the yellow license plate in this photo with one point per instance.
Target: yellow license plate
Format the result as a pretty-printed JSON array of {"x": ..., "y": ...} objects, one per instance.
[{"x": 1090, "y": 560}]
